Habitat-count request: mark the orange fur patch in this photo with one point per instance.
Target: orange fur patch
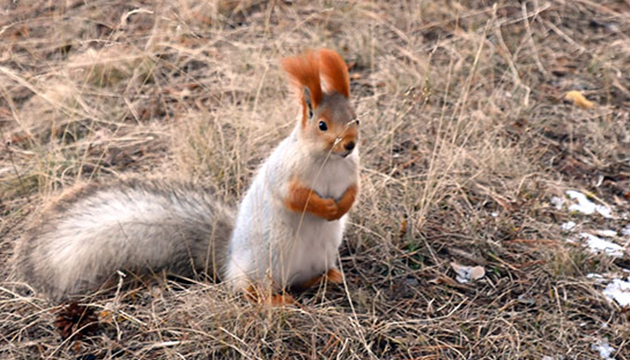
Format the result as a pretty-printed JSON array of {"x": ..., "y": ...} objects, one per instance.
[
  {"x": 346, "y": 201},
  {"x": 332, "y": 276},
  {"x": 335, "y": 72},
  {"x": 304, "y": 72},
  {"x": 256, "y": 295},
  {"x": 302, "y": 199}
]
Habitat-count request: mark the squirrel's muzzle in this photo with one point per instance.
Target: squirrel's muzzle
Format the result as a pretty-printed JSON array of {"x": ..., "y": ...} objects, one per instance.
[{"x": 346, "y": 148}]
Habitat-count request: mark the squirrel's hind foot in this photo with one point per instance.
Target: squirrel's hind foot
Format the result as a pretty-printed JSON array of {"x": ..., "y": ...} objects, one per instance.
[
  {"x": 258, "y": 295},
  {"x": 333, "y": 276}
]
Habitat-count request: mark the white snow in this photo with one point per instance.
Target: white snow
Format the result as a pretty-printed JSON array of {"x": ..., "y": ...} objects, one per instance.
[
  {"x": 604, "y": 349},
  {"x": 598, "y": 245},
  {"x": 607, "y": 233},
  {"x": 598, "y": 277},
  {"x": 599, "y": 241},
  {"x": 558, "y": 202},
  {"x": 568, "y": 226},
  {"x": 586, "y": 206},
  {"x": 619, "y": 291}
]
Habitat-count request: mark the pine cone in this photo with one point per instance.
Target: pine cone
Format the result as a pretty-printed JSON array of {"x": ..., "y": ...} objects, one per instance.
[{"x": 77, "y": 320}]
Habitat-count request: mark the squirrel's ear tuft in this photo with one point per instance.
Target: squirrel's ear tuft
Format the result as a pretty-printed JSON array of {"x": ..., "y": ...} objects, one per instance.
[
  {"x": 335, "y": 72},
  {"x": 304, "y": 73}
]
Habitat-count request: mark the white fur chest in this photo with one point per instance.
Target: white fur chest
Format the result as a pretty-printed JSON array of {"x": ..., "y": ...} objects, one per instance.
[
  {"x": 316, "y": 250},
  {"x": 335, "y": 176}
]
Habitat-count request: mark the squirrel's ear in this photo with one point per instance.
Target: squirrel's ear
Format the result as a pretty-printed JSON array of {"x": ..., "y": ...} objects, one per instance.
[
  {"x": 335, "y": 72},
  {"x": 308, "y": 101},
  {"x": 303, "y": 72}
]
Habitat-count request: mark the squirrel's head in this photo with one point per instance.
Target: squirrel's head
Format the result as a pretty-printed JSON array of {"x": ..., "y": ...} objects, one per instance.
[{"x": 328, "y": 122}]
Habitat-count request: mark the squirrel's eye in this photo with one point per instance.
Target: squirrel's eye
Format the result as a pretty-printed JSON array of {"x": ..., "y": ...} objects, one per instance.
[
  {"x": 323, "y": 126},
  {"x": 357, "y": 121}
]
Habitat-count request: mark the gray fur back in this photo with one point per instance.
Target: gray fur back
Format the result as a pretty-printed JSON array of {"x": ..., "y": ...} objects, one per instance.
[{"x": 140, "y": 226}]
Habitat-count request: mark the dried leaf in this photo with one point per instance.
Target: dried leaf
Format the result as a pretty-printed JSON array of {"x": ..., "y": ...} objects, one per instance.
[
  {"x": 477, "y": 273},
  {"x": 77, "y": 321},
  {"x": 403, "y": 227},
  {"x": 442, "y": 280},
  {"x": 466, "y": 274},
  {"x": 105, "y": 316},
  {"x": 578, "y": 99}
]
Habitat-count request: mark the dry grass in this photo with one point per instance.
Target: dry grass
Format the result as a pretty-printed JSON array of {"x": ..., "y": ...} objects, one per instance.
[{"x": 462, "y": 116}]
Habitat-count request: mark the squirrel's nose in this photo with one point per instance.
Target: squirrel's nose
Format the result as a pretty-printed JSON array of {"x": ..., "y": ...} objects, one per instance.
[{"x": 349, "y": 146}]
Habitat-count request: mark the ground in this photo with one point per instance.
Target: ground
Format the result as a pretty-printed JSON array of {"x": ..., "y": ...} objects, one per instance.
[{"x": 468, "y": 147}]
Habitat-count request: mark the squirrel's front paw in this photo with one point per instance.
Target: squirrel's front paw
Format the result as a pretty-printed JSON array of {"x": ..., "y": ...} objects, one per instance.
[
  {"x": 329, "y": 210},
  {"x": 338, "y": 215}
]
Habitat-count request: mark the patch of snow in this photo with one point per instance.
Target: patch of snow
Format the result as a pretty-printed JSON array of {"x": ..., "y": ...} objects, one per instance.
[
  {"x": 603, "y": 348},
  {"x": 568, "y": 226},
  {"x": 494, "y": 214},
  {"x": 558, "y": 202},
  {"x": 586, "y": 206},
  {"x": 607, "y": 233},
  {"x": 598, "y": 245},
  {"x": 599, "y": 279},
  {"x": 619, "y": 291},
  {"x": 626, "y": 231}
]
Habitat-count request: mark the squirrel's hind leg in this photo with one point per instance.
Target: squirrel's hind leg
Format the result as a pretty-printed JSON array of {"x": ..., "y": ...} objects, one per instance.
[{"x": 331, "y": 276}]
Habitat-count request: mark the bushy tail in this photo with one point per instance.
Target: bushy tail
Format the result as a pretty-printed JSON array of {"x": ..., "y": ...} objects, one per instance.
[{"x": 142, "y": 227}]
